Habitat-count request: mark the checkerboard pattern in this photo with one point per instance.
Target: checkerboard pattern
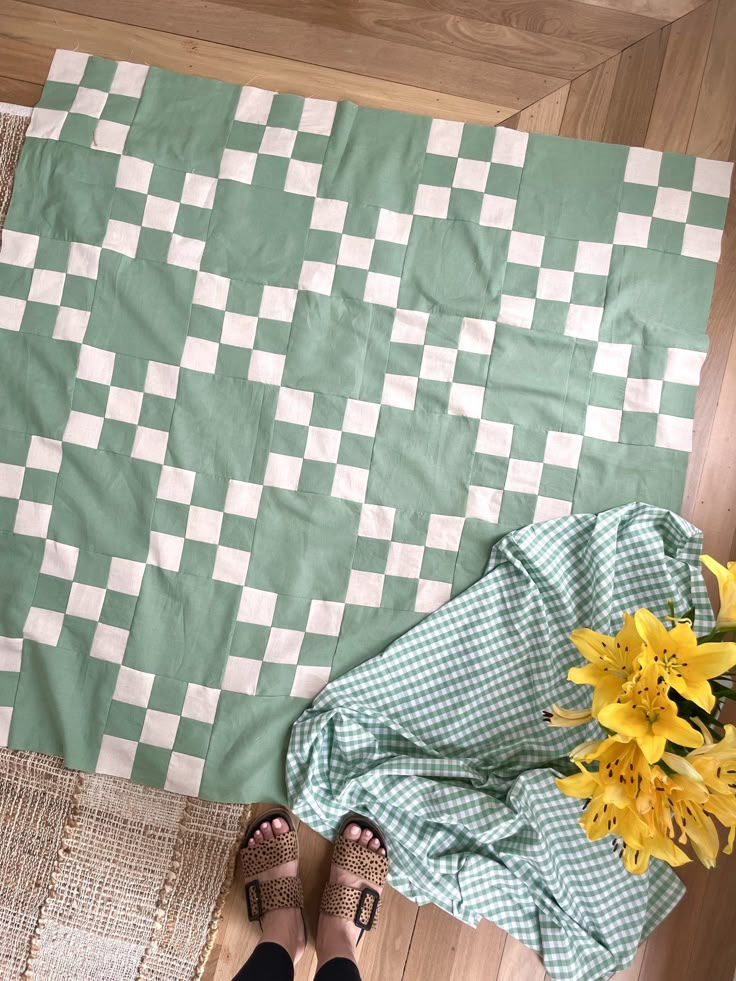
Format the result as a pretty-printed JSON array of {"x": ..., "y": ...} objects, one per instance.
[{"x": 279, "y": 371}]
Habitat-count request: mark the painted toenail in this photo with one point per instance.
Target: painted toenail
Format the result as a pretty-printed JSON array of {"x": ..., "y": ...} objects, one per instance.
[{"x": 277, "y": 824}]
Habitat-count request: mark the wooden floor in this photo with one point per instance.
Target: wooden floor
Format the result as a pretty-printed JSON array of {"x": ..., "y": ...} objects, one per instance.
[{"x": 657, "y": 73}]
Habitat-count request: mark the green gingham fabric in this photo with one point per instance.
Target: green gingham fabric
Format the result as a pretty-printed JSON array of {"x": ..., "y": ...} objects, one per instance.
[
  {"x": 441, "y": 740},
  {"x": 276, "y": 373}
]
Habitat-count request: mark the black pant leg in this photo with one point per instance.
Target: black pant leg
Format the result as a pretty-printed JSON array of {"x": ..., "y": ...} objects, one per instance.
[{"x": 268, "y": 962}]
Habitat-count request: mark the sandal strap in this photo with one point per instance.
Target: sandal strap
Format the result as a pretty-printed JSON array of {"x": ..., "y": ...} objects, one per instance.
[
  {"x": 362, "y": 906},
  {"x": 359, "y": 860},
  {"x": 263, "y": 896},
  {"x": 268, "y": 854}
]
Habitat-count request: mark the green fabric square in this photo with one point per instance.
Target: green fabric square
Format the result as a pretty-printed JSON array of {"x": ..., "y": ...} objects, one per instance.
[
  {"x": 638, "y": 199},
  {"x": 437, "y": 170},
  {"x": 233, "y": 361},
  {"x": 92, "y": 569},
  {"x": 151, "y": 765},
  {"x": 708, "y": 210},
  {"x": 39, "y": 318},
  {"x": 360, "y": 221},
  {"x": 503, "y": 180},
  {"x": 438, "y": 564},
  {"x": 647, "y": 362},
  {"x": 611, "y": 474},
  {"x": 666, "y": 236},
  {"x": 15, "y": 281},
  {"x": 117, "y": 437},
  {"x": 90, "y": 397},
  {"x": 318, "y": 533},
  {"x": 489, "y": 471},
  {"x": 316, "y": 477},
  {"x": 192, "y": 738},
  {"x": 272, "y": 335},
  {"x": 93, "y": 485},
  {"x": 209, "y": 492},
  {"x": 286, "y": 111},
  {"x": 387, "y": 258},
  {"x": 404, "y": 359},
  {"x": 38, "y": 381},
  {"x": 559, "y": 253},
  {"x": 156, "y": 412},
  {"x": 249, "y": 640},
  {"x": 328, "y": 411},
  {"x": 167, "y": 695},
  {"x": 476, "y": 142},
  {"x": 170, "y": 518},
  {"x": 118, "y": 609},
  {"x": 76, "y": 634},
  {"x": 470, "y": 368},
  {"x": 550, "y": 316},
  {"x": 289, "y": 439},
  {"x": 465, "y": 205},
  {"x": 607, "y": 391},
  {"x": 52, "y": 593},
  {"x": 355, "y": 450},
  {"x": 517, "y": 509},
  {"x": 349, "y": 283},
  {"x": 270, "y": 171},
  {"x": 192, "y": 222},
  {"x": 14, "y": 447},
  {"x": 638, "y": 427},
  {"x": 678, "y": 400},
  {"x": 206, "y": 322},
  {"x": 166, "y": 183},
  {"x": 291, "y": 612},
  {"x": 557, "y": 482},
  {"x": 245, "y": 136},
  {"x": 52, "y": 255},
  {"x": 129, "y": 373},
  {"x": 22, "y": 558},
  {"x": 8, "y": 687},
  {"x": 120, "y": 109},
  {"x": 57, "y": 95},
  {"x": 198, "y": 558},
  {"x": 432, "y": 396},
  {"x": 98, "y": 73},
  {"x": 275, "y": 679},
  {"x": 410, "y": 526},
  {"x": 317, "y": 650},
  {"x": 521, "y": 280},
  {"x": 309, "y": 147},
  {"x": 371, "y": 554},
  {"x": 128, "y": 206},
  {"x": 125, "y": 721},
  {"x": 399, "y": 593},
  {"x": 153, "y": 244},
  {"x": 237, "y": 532},
  {"x": 528, "y": 444},
  {"x": 322, "y": 246},
  {"x": 677, "y": 170},
  {"x": 588, "y": 290},
  {"x": 78, "y": 292},
  {"x": 79, "y": 129}
]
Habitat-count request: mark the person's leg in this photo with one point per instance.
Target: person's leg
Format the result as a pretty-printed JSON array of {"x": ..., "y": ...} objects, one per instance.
[
  {"x": 338, "y": 969},
  {"x": 268, "y": 962}
]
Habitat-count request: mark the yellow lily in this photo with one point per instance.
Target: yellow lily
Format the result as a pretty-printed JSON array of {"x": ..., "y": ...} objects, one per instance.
[
  {"x": 726, "y": 576},
  {"x": 716, "y": 767},
  {"x": 686, "y": 665},
  {"x": 638, "y": 851},
  {"x": 649, "y": 716},
  {"x": 565, "y": 718},
  {"x": 611, "y": 661},
  {"x": 678, "y": 798}
]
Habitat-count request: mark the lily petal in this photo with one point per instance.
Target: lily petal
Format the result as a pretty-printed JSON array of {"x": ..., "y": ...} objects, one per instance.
[
  {"x": 694, "y": 687},
  {"x": 678, "y": 731},
  {"x": 581, "y": 785},
  {"x": 710, "y": 660},
  {"x": 624, "y": 718}
]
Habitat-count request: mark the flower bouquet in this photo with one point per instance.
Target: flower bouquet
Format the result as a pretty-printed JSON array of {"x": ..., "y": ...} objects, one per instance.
[{"x": 666, "y": 768}]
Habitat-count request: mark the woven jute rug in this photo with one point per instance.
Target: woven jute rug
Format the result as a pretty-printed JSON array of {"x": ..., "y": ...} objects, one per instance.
[{"x": 101, "y": 878}]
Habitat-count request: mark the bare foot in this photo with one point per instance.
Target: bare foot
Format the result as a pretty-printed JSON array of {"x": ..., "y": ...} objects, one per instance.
[
  {"x": 337, "y": 937},
  {"x": 280, "y": 926}
]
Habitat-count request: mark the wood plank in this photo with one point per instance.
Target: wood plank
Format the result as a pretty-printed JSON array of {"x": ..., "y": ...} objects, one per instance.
[
  {"x": 17, "y": 92},
  {"x": 443, "y": 947},
  {"x": 544, "y": 116},
  {"x": 589, "y": 101},
  {"x": 383, "y": 954},
  {"x": 28, "y": 62},
  {"x": 35, "y": 26},
  {"x": 519, "y": 962},
  {"x": 677, "y": 92},
  {"x": 667, "y": 10},
  {"x": 632, "y": 972},
  {"x": 328, "y": 47},
  {"x": 714, "y": 126},
  {"x": 634, "y": 90}
]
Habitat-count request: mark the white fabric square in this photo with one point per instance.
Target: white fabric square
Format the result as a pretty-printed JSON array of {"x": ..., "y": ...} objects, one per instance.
[
  {"x": 563, "y": 449},
  {"x": 257, "y": 606},
  {"x": 186, "y": 252},
  {"x": 476, "y": 336},
  {"x": 133, "y": 687},
  {"x": 283, "y": 645},
  {"x": 165, "y": 551},
  {"x": 68, "y": 66},
  {"x": 231, "y": 565},
  {"x": 593, "y": 258},
  {"x": 438, "y": 363},
  {"x": 377, "y": 521},
  {"x": 199, "y": 191},
  {"x": 203, "y": 525},
  {"x": 129, "y": 79},
  {"x": 355, "y": 251},
  {"x": 642, "y": 166},
  {"x": 674, "y": 433},
  {"x": 134, "y": 174},
  {"x": 516, "y": 311},
  {"x": 254, "y": 105},
  {"x": 712, "y": 177},
  {"x": 109, "y": 643},
  {"x": 239, "y": 330},
  {"x": 6, "y": 717},
  {"x": 497, "y": 211},
  {"x": 123, "y": 405},
  {"x": 317, "y": 116},
  {"x": 444, "y": 138},
  {"x": 394, "y": 227},
  {"x": 294, "y": 406},
  {"x": 277, "y": 141},
  {"x": 523, "y": 476},
  {"x": 484, "y": 503},
  {"x": 89, "y": 102},
  {"x": 302, "y": 177},
  {"x": 409, "y": 327},
  {"x": 445, "y": 531},
  {"x": 84, "y": 260},
  {"x": 509, "y": 147},
  {"x": 43, "y": 626},
  {"x": 11, "y": 653},
  {"x": 404, "y": 560},
  {"x": 672, "y": 204},
  {"x": 702, "y": 243},
  {"x": 241, "y": 675},
  {"x": 243, "y": 498},
  {"x": 322, "y": 444},
  {"x": 350, "y": 483},
  {"x": 150, "y": 444},
  {"x": 431, "y": 595},
  {"x": 44, "y": 454},
  {"x": 184, "y": 775},
  {"x": 583, "y": 321},
  {"x": 494, "y": 438},
  {"x": 526, "y": 249},
  {"x": 122, "y": 237},
  {"x": 32, "y": 519},
  {"x": 161, "y": 379},
  {"x": 466, "y": 400},
  {"x": 432, "y": 201},
  {"x": 11, "y": 312},
  {"x": 555, "y": 284},
  {"x": 317, "y": 277},
  {"x": 361, "y": 417},
  {"x": 365, "y": 588},
  {"x": 237, "y": 165},
  {"x": 383, "y": 289},
  {"x": 159, "y": 729},
  {"x": 11, "y": 480},
  {"x": 176, "y": 485},
  {"x": 400, "y": 391},
  {"x": 200, "y": 355},
  {"x": 70, "y": 325},
  {"x": 59, "y": 560},
  {"x": 309, "y": 681},
  {"x": 110, "y": 136},
  {"x": 612, "y": 359},
  {"x": 19, "y": 249},
  {"x": 643, "y": 395},
  {"x": 126, "y": 576},
  {"x": 266, "y": 367},
  {"x": 471, "y": 175},
  {"x": 211, "y": 290},
  {"x": 683, "y": 367},
  {"x": 116, "y": 757},
  {"x": 632, "y": 230},
  {"x": 46, "y": 124},
  {"x": 200, "y": 703},
  {"x": 277, "y": 303},
  {"x": 603, "y": 423},
  {"x": 47, "y": 286},
  {"x": 325, "y": 617},
  {"x": 548, "y": 508},
  {"x": 328, "y": 215},
  {"x": 283, "y": 471},
  {"x": 83, "y": 429}
]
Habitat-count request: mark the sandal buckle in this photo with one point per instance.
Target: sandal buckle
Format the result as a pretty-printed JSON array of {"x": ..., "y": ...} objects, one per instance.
[
  {"x": 365, "y": 895},
  {"x": 254, "y": 900}
]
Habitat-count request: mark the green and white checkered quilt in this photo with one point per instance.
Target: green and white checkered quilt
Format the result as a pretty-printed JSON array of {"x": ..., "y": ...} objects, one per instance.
[
  {"x": 276, "y": 372},
  {"x": 441, "y": 740}
]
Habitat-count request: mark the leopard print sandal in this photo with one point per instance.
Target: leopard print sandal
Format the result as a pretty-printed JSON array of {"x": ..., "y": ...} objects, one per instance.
[
  {"x": 362, "y": 906},
  {"x": 284, "y": 893}
]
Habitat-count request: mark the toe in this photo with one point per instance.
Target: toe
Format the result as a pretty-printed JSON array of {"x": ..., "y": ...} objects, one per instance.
[
  {"x": 279, "y": 826},
  {"x": 352, "y": 831},
  {"x": 374, "y": 844},
  {"x": 258, "y": 836},
  {"x": 266, "y": 831},
  {"x": 251, "y": 843},
  {"x": 365, "y": 836},
  {"x": 382, "y": 851}
]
